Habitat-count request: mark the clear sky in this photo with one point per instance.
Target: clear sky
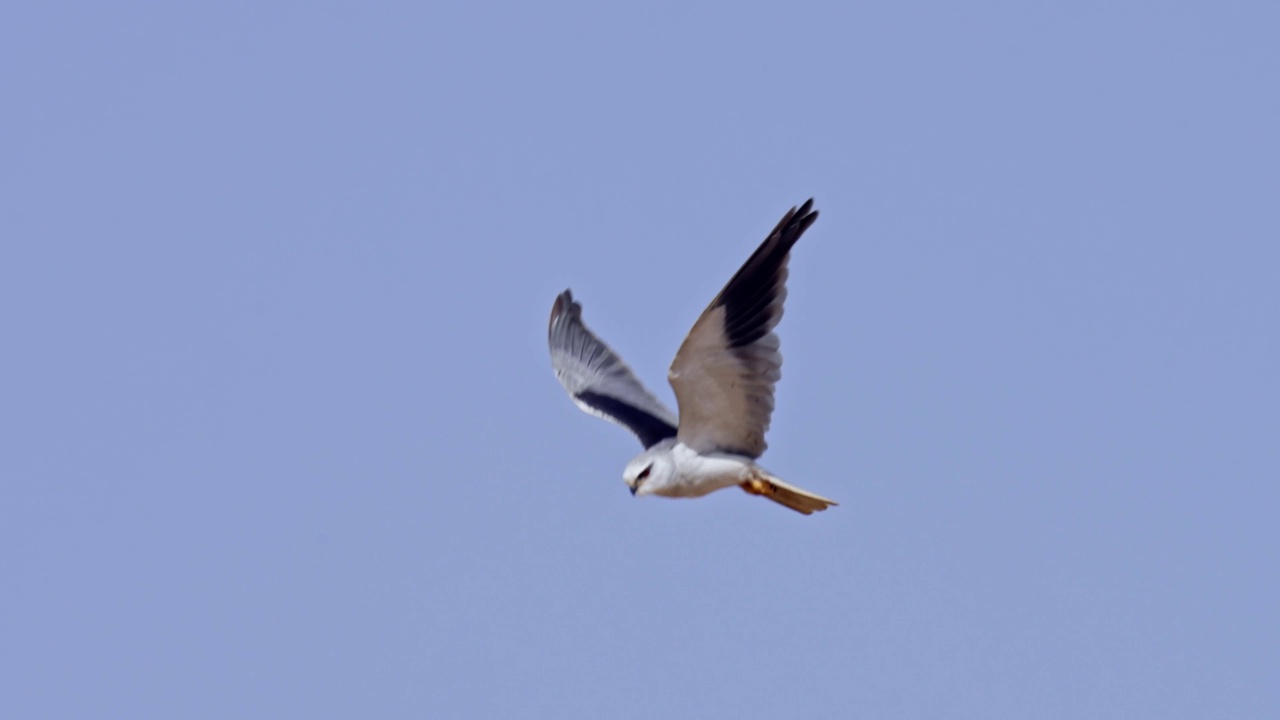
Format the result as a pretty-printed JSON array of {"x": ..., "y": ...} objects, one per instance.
[{"x": 279, "y": 436}]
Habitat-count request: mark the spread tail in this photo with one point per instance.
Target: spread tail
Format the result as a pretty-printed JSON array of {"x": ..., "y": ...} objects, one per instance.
[{"x": 802, "y": 501}]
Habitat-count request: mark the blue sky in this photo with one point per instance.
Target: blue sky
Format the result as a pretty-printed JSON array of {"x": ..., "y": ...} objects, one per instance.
[{"x": 280, "y": 436}]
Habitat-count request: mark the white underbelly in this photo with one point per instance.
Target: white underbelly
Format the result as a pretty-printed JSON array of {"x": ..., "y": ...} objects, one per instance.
[{"x": 697, "y": 475}]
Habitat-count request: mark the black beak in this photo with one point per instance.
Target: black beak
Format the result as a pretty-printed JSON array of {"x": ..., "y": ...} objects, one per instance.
[{"x": 633, "y": 489}]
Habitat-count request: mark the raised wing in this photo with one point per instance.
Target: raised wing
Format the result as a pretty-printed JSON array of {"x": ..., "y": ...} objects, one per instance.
[
  {"x": 598, "y": 380},
  {"x": 725, "y": 371}
]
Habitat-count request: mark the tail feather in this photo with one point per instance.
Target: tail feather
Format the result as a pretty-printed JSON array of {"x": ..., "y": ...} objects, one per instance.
[{"x": 802, "y": 501}]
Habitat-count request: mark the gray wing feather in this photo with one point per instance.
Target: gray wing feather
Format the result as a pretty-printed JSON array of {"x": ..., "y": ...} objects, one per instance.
[
  {"x": 725, "y": 371},
  {"x": 598, "y": 381}
]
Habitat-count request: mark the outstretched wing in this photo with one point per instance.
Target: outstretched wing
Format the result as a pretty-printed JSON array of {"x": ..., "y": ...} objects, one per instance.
[
  {"x": 726, "y": 368},
  {"x": 598, "y": 380}
]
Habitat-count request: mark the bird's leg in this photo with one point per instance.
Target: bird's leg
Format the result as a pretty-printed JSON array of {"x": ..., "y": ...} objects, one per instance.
[{"x": 756, "y": 486}]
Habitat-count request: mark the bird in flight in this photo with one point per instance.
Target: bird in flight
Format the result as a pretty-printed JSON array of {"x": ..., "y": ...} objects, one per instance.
[{"x": 723, "y": 377}]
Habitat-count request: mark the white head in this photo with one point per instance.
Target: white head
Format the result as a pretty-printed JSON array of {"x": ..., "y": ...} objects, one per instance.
[{"x": 650, "y": 471}]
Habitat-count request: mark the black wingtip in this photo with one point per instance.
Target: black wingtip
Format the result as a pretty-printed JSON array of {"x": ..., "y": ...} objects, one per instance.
[
  {"x": 759, "y": 282},
  {"x": 803, "y": 217},
  {"x": 793, "y": 224}
]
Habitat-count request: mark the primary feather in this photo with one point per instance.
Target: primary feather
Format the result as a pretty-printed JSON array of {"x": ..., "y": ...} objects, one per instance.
[
  {"x": 725, "y": 371},
  {"x": 598, "y": 380}
]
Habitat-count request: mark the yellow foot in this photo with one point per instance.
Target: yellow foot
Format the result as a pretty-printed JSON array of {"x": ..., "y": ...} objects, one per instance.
[{"x": 758, "y": 487}]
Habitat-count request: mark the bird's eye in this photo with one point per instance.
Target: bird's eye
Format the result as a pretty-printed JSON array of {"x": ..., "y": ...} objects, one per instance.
[{"x": 644, "y": 473}]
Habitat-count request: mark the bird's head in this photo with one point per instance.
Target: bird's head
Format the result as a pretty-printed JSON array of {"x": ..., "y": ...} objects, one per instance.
[{"x": 649, "y": 471}]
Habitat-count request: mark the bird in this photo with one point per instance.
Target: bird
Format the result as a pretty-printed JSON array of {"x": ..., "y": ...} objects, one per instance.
[{"x": 723, "y": 376}]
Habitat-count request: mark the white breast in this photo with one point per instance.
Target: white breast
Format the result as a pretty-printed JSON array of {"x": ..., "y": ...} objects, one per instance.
[{"x": 697, "y": 475}]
